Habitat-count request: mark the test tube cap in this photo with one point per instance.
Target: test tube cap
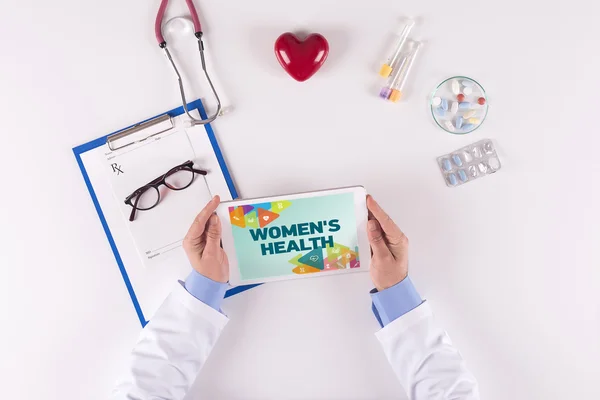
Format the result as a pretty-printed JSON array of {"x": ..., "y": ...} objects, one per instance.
[
  {"x": 395, "y": 96},
  {"x": 385, "y": 71},
  {"x": 385, "y": 93}
]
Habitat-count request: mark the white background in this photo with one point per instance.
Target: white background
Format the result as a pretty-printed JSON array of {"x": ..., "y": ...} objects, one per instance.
[{"x": 510, "y": 262}]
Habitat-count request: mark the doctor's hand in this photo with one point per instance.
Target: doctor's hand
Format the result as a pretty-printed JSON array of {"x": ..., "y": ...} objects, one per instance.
[
  {"x": 389, "y": 247},
  {"x": 202, "y": 244}
]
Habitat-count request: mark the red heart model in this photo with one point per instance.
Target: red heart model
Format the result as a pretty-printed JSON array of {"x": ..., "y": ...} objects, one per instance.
[{"x": 301, "y": 58}]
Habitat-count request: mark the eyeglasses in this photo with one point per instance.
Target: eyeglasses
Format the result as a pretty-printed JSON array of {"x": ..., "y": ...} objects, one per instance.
[{"x": 148, "y": 196}]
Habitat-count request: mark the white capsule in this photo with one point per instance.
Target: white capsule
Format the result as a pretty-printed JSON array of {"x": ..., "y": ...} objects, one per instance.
[
  {"x": 455, "y": 87},
  {"x": 436, "y": 101},
  {"x": 454, "y": 107},
  {"x": 467, "y": 90},
  {"x": 448, "y": 125},
  {"x": 466, "y": 82}
]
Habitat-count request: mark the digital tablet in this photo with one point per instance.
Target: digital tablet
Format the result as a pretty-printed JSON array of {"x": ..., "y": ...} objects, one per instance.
[{"x": 296, "y": 236}]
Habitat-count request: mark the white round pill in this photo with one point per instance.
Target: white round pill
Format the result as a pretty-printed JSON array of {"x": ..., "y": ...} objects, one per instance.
[
  {"x": 467, "y": 90},
  {"x": 488, "y": 148},
  {"x": 473, "y": 171},
  {"x": 436, "y": 101},
  {"x": 466, "y": 82}
]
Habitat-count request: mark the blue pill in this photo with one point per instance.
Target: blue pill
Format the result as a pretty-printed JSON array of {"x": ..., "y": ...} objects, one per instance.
[
  {"x": 452, "y": 179},
  {"x": 459, "y": 122},
  {"x": 446, "y": 164},
  {"x": 462, "y": 175},
  {"x": 457, "y": 160},
  {"x": 468, "y": 127},
  {"x": 464, "y": 105},
  {"x": 440, "y": 111},
  {"x": 444, "y": 104}
]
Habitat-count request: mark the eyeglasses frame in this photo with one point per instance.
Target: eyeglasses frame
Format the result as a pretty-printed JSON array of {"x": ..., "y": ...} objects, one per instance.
[{"x": 156, "y": 183}]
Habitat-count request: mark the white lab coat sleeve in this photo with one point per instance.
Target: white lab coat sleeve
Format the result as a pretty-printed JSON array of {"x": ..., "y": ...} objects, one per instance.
[
  {"x": 424, "y": 359},
  {"x": 171, "y": 349}
]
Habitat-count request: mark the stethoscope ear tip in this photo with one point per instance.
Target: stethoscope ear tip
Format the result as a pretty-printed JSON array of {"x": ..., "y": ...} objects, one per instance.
[{"x": 225, "y": 110}]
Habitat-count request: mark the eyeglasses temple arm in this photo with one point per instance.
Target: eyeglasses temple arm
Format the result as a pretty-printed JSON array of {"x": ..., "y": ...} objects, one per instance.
[
  {"x": 199, "y": 171},
  {"x": 133, "y": 208},
  {"x": 132, "y": 215}
]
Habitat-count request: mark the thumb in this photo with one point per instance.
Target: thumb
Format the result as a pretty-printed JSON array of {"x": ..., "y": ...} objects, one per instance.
[
  {"x": 375, "y": 234},
  {"x": 213, "y": 235}
]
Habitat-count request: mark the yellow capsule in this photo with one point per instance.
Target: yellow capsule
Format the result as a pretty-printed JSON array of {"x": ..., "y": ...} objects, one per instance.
[
  {"x": 473, "y": 121},
  {"x": 385, "y": 71},
  {"x": 469, "y": 114}
]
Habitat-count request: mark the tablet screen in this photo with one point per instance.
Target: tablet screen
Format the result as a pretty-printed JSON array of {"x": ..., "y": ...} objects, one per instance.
[{"x": 295, "y": 236}]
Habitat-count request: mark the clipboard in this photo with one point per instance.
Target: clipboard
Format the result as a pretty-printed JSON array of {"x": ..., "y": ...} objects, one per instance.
[{"x": 156, "y": 125}]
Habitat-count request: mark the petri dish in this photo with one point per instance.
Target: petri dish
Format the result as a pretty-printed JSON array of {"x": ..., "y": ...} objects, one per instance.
[{"x": 459, "y": 105}]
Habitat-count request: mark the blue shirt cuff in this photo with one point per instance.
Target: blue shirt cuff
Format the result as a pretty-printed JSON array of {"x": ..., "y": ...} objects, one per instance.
[
  {"x": 205, "y": 289},
  {"x": 394, "y": 302}
]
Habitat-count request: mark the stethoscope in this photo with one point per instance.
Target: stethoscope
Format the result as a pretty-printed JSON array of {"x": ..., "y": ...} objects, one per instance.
[{"x": 163, "y": 45}]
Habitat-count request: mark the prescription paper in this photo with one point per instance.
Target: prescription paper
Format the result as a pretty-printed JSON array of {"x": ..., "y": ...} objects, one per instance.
[{"x": 157, "y": 232}]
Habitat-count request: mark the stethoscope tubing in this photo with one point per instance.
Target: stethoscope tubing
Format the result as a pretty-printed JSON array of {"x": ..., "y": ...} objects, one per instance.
[
  {"x": 161, "y": 14},
  {"x": 162, "y": 43}
]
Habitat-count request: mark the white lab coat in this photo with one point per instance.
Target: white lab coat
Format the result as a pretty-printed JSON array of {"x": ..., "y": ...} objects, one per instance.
[{"x": 175, "y": 344}]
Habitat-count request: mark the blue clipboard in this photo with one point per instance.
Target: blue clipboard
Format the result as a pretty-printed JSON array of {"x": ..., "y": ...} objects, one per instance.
[{"x": 195, "y": 105}]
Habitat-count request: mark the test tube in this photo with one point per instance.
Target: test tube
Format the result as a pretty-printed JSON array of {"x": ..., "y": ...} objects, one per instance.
[
  {"x": 391, "y": 63},
  {"x": 396, "y": 84},
  {"x": 386, "y": 91}
]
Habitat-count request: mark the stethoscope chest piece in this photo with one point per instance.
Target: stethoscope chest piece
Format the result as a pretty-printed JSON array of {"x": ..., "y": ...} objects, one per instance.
[{"x": 178, "y": 27}]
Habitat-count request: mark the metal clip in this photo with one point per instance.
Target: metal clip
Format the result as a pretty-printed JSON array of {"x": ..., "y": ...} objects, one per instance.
[{"x": 146, "y": 130}]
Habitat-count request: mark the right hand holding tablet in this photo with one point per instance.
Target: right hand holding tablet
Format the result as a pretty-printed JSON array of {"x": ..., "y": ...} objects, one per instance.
[
  {"x": 389, "y": 246},
  {"x": 202, "y": 244}
]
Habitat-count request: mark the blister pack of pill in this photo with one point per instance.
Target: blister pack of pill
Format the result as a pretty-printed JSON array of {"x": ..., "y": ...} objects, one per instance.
[{"x": 469, "y": 163}]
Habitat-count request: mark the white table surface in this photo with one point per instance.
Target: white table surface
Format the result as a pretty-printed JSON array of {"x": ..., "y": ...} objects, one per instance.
[{"x": 510, "y": 263}]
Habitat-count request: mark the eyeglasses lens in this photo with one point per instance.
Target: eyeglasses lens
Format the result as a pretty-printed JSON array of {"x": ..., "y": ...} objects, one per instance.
[{"x": 179, "y": 179}]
